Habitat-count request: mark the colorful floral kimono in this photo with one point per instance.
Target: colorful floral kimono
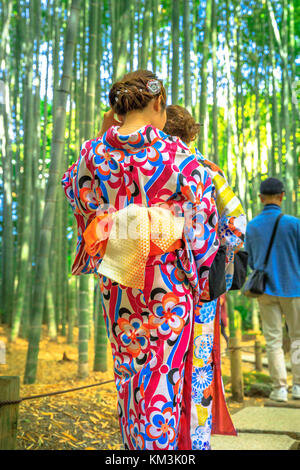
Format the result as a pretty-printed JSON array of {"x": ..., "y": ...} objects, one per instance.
[
  {"x": 153, "y": 180},
  {"x": 209, "y": 414}
]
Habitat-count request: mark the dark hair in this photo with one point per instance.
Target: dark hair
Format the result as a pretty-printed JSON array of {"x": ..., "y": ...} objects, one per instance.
[
  {"x": 131, "y": 92},
  {"x": 181, "y": 123}
]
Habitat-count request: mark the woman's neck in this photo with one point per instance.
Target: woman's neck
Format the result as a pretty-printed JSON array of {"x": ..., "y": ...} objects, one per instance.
[{"x": 133, "y": 121}]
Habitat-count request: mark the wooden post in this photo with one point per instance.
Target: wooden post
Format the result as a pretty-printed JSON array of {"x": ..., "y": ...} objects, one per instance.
[
  {"x": 258, "y": 359},
  {"x": 9, "y": 391},
  {"x": 255, "y": 316},
  {"x": 237, "y": 389},
  {"x": 230, "y": 312}
]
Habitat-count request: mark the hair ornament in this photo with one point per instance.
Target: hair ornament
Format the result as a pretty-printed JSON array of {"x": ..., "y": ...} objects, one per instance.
[
  {"x": 153, "y": 86},
  {"x": 116, "y": 98}
]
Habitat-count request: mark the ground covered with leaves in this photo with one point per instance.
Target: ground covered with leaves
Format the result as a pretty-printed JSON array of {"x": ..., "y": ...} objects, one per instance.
[{"x": 85, "y": 419}]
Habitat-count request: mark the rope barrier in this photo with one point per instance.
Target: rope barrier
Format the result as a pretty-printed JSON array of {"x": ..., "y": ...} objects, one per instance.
[
  {"x": 242, "y": 348},
  {"x": 239, "y": 347},
  {"x": 15, "y": 402}
]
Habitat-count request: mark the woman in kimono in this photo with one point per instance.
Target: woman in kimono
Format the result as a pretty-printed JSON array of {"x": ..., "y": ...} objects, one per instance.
[
  {"x": 147, "y": 221},
  {"x": 209, "y": 412}
]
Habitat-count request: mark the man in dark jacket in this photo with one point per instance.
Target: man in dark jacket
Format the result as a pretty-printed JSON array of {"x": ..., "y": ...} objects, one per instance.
[{"x": 282, "y": 292}]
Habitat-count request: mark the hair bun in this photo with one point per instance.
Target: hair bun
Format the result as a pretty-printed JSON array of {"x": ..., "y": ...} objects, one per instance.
[
  {"x": 135, "y": 91},
  {"x": 181, "y": 124}
]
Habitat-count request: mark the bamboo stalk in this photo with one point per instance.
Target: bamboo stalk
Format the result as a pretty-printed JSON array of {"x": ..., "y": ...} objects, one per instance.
[{"x": 48, "y": 215}]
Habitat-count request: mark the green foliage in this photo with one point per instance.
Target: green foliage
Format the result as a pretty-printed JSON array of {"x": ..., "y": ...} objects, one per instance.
[
  {"x": 256, "y": 377},
  {"x": 245, "y": 315}
]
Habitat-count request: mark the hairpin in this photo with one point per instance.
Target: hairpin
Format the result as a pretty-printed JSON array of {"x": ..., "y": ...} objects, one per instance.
[
  {"x": 154, "y": 86},
  {"x": 116, "y": 97}
]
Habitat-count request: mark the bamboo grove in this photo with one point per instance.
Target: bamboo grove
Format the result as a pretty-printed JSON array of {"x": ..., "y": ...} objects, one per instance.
[{"x": 232, "y": 64}]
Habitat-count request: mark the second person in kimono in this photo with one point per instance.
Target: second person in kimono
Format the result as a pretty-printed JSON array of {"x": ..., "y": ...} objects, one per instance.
[{"x": 209, "y": 413}]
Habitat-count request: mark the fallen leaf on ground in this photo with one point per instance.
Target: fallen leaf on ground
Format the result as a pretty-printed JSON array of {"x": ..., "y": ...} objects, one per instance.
[{"x": 69, "y": 436}]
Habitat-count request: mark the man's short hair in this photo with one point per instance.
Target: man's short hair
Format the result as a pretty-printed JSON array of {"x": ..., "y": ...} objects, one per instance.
[{"x": 271, "y": 186}]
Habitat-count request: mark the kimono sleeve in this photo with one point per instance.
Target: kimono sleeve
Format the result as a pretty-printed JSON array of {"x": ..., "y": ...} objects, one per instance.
[
  {"x": 79, "y": 187},
  {"x": 232, "y": 219},
  {"x": 201, "y": 218}
]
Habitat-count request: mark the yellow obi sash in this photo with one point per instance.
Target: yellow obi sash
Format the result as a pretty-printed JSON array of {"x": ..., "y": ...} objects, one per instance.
[{"x": 127, "y": 237}]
